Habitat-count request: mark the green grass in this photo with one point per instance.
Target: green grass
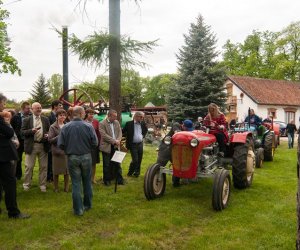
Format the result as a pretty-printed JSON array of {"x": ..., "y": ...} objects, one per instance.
[{"x": 261, "y": 217}]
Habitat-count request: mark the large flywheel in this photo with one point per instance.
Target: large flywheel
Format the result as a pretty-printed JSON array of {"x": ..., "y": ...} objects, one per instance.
[{"x": 77, "y": 97}]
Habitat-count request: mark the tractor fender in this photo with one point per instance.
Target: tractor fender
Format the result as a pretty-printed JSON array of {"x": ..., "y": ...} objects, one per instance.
[
  {"x": 276, "y": 129},
  {"x": 240, "y": 137}
]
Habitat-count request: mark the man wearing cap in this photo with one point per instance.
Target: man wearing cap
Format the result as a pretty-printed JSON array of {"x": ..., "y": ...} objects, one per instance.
[{"x": 187, "y": 125}]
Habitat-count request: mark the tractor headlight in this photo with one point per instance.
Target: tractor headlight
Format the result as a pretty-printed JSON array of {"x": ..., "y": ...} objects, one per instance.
[
  {"x": 194, "y": 142},
  {"x": 167, "y": 140}
]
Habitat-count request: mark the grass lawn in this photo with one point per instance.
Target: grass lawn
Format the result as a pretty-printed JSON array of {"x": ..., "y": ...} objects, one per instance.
[{"x": 261, "y": 217}]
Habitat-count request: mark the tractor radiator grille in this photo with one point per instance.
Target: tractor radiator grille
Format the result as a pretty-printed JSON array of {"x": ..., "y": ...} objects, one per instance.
[{"x": 182, "y": 157}]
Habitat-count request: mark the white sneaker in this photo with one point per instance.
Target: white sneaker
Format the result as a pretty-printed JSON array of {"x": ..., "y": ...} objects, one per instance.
[
  {"x": 26, "y": 188},
  {"x": 43, "y": 189}
]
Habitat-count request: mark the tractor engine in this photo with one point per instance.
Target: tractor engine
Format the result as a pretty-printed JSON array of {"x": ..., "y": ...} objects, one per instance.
[{"x": 208, "y": 156}]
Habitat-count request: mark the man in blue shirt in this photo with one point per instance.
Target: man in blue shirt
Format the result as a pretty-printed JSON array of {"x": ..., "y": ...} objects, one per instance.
[{"x": 77, "y": 138}]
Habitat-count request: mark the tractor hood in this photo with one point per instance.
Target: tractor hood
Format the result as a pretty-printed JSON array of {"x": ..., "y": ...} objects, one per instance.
[
  {"x": 185, "y": 137},
  {"x": 186, "y": 150}
]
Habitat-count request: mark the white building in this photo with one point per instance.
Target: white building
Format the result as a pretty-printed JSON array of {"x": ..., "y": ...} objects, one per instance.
[{"x": 278, "y": 98}]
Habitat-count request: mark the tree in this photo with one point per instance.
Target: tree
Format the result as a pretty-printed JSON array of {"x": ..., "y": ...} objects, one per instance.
[
  {"x": 273, "y": 55},
  {"x": 200, "y": 81},
  {"x": 55, "y": 86},
  {"x": 8, "y": 64},
  {"x": 95, "y": 51},
  {"x": 254, "y": 57},
  {"x": 97, "y": 90},
  {"x": 156, "y": 88},
  {"x": 132, "y": 86},
  {"x": 289, "y": 52},
  {"x": 40, "y": 92}
]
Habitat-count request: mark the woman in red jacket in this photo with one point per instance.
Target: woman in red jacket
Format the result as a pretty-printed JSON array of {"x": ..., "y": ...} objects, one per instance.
[{"x": 217, "y": 121}]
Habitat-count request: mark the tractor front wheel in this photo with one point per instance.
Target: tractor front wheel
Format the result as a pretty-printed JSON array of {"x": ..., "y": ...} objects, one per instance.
[
  {"x": 269, "y": 146},
  {"x": 221, "y": 190},
  {"x": 259, "y": 157},
  {"x": 243, "y": 164},
  {"x": 154, "y": 182}
]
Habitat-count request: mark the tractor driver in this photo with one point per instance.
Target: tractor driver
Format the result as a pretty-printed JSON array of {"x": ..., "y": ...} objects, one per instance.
[
  {"x": 253, "y": 119},
  {"x": 216, "y": 119}
]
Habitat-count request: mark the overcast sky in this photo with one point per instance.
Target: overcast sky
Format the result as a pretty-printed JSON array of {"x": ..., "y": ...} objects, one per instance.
[{"x": 37, "y": 47}]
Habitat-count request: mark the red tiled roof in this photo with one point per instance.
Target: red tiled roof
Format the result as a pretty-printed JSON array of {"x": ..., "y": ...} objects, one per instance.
[{"x": 267, "y": 91}]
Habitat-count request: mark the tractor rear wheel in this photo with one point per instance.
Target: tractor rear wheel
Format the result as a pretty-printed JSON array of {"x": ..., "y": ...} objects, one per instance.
[
  {"x": 243, "y": 164},
  {"x": 259, "y": 158},
  {"x": 154, "y": 182},
  {"x": 269, "y": 146},
  {"x": 221, "y": 190}
]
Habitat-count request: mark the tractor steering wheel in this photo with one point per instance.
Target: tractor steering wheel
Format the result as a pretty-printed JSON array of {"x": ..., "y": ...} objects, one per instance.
[{"x": 213, "y": 125}]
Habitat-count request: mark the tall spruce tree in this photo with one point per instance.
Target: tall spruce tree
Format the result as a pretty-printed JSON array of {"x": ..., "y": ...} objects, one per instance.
[
  {"x": 199, "y": 81},
  {"x": 40, "y": 92}
]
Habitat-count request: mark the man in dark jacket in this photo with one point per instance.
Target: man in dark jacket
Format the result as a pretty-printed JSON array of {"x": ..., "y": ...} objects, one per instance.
[
  {"x": 35, "y": 131},
  {"x": 135, "y": 131},
  {"x": 7, "y": 176},
  {"x": 253, "y": 119},
  {"x": 16, "y": 123}
]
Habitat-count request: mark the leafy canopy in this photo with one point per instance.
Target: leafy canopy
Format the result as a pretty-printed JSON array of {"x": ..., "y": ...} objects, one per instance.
[
  {"x": 55, "y": 86},
  {"x": 93, "y": 50},
  {"x": 273, "y": 55},
  {"x": 8, "y": 64}
]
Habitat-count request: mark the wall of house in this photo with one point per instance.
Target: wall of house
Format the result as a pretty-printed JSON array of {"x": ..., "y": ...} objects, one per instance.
[
  {"x": 280, "y": 113},
  {"x": 244, "y": 102}
]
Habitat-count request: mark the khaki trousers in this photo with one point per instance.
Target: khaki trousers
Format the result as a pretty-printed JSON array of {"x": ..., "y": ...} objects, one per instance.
[{"x": 38, "y": 151}]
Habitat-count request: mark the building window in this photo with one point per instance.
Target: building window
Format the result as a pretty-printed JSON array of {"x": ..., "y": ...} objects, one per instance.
[
  {"x": 272, "y": 112},
  {"x": 229, "y": 87},
  {"x": 289, "y": 115}
]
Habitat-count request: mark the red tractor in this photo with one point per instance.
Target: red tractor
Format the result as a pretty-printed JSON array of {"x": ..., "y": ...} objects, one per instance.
[{"x": 195, "y": 155}]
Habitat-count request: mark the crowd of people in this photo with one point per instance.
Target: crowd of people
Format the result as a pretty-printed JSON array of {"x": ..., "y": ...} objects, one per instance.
[
  {"x": 69, "y": 143},
  {"x": 65, "y": 143}
]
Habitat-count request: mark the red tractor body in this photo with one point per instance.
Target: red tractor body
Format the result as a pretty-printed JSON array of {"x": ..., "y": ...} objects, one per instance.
[
  {"x": 185, "y": 158},
  {"x": 195, "y": 154}
]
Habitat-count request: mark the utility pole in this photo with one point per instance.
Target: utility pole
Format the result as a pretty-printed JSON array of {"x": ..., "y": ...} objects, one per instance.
[{"x": 65, "y": 64}]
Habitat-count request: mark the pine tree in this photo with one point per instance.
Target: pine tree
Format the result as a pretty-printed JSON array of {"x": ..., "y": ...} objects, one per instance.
[
  {"x": 40, "y": 92},
  {"x": 200, "y": 81}
]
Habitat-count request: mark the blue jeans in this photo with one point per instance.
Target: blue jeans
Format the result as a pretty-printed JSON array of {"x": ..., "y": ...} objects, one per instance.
[
  {"x": 80, "y": 167},
  {"x": 291, "y": 140}
]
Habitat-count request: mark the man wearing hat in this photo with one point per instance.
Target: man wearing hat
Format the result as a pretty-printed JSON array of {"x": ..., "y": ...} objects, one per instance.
[{"x": 187, "y": 125}]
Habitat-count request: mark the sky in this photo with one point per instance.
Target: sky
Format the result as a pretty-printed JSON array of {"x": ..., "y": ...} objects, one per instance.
[{"x": 38, "y": 48}]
